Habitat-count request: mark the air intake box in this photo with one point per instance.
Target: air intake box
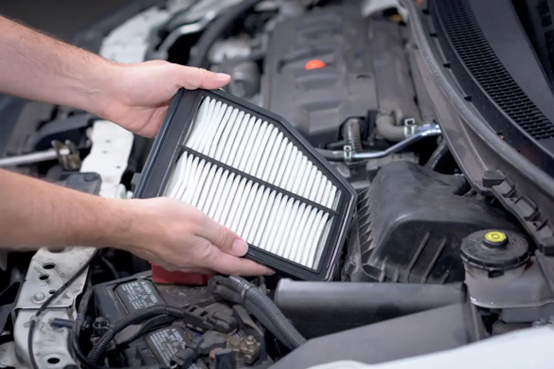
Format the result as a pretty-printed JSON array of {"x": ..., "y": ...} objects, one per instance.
[
  {"x": 249, "y": 170},
  {"x": 411, "y": 223}
]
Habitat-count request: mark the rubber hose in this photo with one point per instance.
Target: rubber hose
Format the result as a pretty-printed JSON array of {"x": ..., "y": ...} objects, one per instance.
[
  {"x": 228, "y": 294},
  {"x": 101, "y": 346},
  {"x": 263, "y": 309},
  {"x": 332, "y": 155},
  {"x": 385, "y": 126},
  {"x": 352, "y": 135},
  {"x": 214, "y": 31},
  {"x": 256, "y": 300},
  {"x": 437, "y": 155}
]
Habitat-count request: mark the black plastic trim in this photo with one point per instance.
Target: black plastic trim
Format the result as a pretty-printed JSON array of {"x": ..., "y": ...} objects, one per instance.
[
  {"x": 168, "y": 146},
  {"x": 477, "y": 148},
  {"x": 472, "y": 57}
]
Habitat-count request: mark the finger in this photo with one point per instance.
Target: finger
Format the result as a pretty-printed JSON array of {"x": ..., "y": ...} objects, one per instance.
[
  {"x": 222, "y": 237},
  {"x": 198, "y": 270},
  {"x": 192, "y": 78},
  {"x": 232, "y": 265}
]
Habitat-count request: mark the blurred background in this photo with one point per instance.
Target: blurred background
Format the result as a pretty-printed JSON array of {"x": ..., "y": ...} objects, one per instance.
[{"x": 62, "y": 18}]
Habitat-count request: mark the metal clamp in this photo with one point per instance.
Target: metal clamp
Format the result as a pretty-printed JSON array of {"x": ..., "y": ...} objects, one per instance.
[
  {"x": 410, "y": 127},
  {"x": 348, "y": 152}
]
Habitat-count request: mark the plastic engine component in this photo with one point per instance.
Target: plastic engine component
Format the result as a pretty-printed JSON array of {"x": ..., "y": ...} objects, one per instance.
[
  {"x": 117, "y": 299},
  {"x": 159, "y": 346},
  {"x": 162, "y": 276},
  {"x": 495, "y": 251},
  {"x": 252, "y": 172},
  {"x": 430, "y": 331},
  {"x": 319, "y": 71},
  {"x": 411, "y": 223},
  {"x": 320, "y": 308}
]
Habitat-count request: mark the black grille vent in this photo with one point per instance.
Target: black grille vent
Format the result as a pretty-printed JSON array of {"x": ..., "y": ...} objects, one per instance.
[{"x": 481, "y": 61}]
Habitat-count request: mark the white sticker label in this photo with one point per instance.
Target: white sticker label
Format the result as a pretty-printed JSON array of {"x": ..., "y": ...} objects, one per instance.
[
  {"x": 167, "y": 342},
  {"x": 139, "y": 295}
]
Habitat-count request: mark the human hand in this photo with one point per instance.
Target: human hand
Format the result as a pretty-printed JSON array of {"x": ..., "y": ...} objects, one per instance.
[
  {"x": 138, "y": 95},
  {"x": 179, "y": 237}
]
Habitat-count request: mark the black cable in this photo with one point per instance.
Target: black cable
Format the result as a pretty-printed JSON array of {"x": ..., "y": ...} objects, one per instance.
[
  {"x": 240, "y": 291},
  {"x": 111, "y": 267},
  {"x": 214, "y": 31},
  {"x": 439, "y": 153},
  {"x": 78, "y": 325},
  {"x": 101, "y": 346},
  {"x": 44, "y": 306}
]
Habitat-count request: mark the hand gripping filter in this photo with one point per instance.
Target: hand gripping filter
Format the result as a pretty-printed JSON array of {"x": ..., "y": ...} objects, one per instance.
[{"x": 251, "y": 171}]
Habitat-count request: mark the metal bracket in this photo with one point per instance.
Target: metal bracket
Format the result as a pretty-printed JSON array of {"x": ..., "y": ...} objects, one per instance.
[{"x": 67, "y": 155}]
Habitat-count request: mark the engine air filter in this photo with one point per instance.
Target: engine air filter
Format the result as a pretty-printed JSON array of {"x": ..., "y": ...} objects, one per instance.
[{"x": 249, "y": 170}]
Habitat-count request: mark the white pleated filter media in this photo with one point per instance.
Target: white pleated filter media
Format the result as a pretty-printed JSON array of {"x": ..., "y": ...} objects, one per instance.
[{"x": 265, "y": 217}]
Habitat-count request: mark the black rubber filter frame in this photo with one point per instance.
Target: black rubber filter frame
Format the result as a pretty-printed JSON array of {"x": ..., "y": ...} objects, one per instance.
[{"x": 169, "y": 145}]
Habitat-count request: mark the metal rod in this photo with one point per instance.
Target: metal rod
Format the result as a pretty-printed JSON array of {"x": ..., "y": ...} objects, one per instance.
[
  {"x": 35, "y": 157},
  {"x": 424, "y": 131}
]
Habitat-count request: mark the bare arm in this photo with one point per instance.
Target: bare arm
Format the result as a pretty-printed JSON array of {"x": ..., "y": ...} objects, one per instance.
[
  {"x": 36, "y": 213},
  {"x": 167, "y": 232},
  {"x": 135, "y": 96},
  {"x": 38, "y": 67}
]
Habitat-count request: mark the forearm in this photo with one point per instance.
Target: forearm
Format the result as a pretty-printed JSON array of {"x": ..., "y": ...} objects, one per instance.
[
  {"x": 37, "y": 214},
  {"x": 38, "y": 67}
]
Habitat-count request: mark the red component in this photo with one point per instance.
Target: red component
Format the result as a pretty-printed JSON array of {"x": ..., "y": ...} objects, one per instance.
[
  {"x": 162, "y": 276},
  {"x": 314, "y": 64}
]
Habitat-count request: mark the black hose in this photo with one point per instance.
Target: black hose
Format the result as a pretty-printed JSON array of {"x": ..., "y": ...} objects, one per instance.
[
  {"x": 352, "y": 135},
  {"x": 215, "y": 30},
  {"x": 101, "y": 346},
  {"x": 438, "y": 155},
  {"x": 110, "y": 267},
  {"x": 230, "y": 294},
  {"x": 78, "y": 325},
  {"x": 332, "y": 155},
  {"x": 240, "y": 291}
]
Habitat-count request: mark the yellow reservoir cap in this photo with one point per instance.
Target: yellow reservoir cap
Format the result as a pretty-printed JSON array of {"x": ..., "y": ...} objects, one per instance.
[{"x": 496, "y": 237}]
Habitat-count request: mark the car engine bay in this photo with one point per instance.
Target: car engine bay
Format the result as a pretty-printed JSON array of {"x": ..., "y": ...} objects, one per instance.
[{"x": 428, "y": 264}]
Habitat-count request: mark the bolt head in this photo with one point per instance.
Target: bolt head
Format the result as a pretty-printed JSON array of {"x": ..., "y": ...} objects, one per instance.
[{"x": 39, "y": 296}]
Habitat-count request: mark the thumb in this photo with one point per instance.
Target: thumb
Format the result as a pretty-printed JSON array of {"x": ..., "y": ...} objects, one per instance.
[
  {"x": 222, "y": 237},
  {"x": 192, "y": 78}
]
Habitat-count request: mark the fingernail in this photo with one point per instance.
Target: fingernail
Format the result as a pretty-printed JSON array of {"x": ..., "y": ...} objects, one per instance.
[
  {"x": 223, "y": 77},
  {"x": 239, "y": 248}
]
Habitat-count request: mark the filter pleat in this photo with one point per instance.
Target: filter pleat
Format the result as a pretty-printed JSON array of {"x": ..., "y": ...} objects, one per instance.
[{"x": 215, "y": 198}]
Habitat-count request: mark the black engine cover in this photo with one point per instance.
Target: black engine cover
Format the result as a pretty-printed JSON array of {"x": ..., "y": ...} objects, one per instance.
[
  {"x": 410, "y": 226},
  {"x": 318, "y": 101}
]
